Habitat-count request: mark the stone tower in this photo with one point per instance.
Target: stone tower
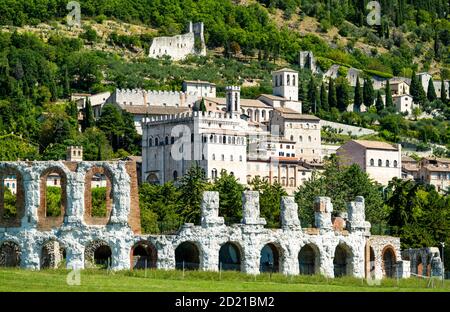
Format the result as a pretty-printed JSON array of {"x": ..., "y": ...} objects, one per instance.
[
  {"x": 285, "y": 84},
  {"x": 74, "y": 153},
  {"x": 233, "y": 96}
]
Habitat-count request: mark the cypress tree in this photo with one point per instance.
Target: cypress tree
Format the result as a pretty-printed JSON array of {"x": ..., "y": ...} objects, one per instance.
[
  {"x": 88, "y": 120},
  {"x": 342, "y": 94},
  {"x": 431, "y": 93},
  {"x": 332, "y": 99},
  {"x": 368, "y": 93},
  {"x": 443, "y": 91},
  {"x": 312, "y": 95},
  {"x": 324, "y": 98},
  {"x": 66, "y": 83},
  {"x": 389, "y": 102},
  {"x": 203, "y": 106},
  {"x": 379, "y": 103},
  {"x": 414, "y": 89},
  {"x": 358, "y": 96}
]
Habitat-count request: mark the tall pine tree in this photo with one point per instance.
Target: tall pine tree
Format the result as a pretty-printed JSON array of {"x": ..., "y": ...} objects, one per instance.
[
  {"x": 88, "y": 120},
  {"x": 443, "y": 91},
  {"x": 312, "y": 95},
  {"x": 324, "y": 98},
  {"x": 342, "y": 94}
]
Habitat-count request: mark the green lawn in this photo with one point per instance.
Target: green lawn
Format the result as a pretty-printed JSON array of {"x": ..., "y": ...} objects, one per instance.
[{"x": 160, "y": 281}]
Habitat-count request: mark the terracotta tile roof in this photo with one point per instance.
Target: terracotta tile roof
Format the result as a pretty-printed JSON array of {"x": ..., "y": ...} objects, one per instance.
[
  {"x": 244, "y": 102},
  {"x": 154, "y": 110},
  {"x": 289, "y": 113},
  {"x": 273, "y": 97},
  {"x": 376, "y": 145}
]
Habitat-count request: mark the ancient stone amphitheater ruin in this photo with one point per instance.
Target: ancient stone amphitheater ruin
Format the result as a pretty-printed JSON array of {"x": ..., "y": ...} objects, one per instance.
[{"x": 33, "y": 240}]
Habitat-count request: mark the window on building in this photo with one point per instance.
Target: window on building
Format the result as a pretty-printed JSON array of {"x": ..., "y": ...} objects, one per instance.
[
  {"x": 395, "y": 164},
  {"x": 288, "y": 80},
  {"x": 150, "y": 142},
  {"x": 309, "y": 138},
  {"x": 156, "y": 142},
  {"x": 223, "y": 157},
  {"x": 372, "y": 162},
  {"x": 172, "y": 140},
  {"x": 293, "y": 80},
  {"x": 175, "y": 175},
  {"x": 300, "y": 139},
  {"x": 167, "y": 140},
  {"x": 240, "y": 158},
  {"x": 292, "y": 138},
  {"x": 380, "y": 163},
  {"x": 192, "y": 137},
  {"x": 387, "y": 163},
  {"x": 213, "y": 156},
  {"x": 231, "y": 158},
  {"x": 214, "y": 173}
]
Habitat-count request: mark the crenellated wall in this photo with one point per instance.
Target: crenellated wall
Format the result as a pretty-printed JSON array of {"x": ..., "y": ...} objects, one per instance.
[{"x": 248, "y": 246}]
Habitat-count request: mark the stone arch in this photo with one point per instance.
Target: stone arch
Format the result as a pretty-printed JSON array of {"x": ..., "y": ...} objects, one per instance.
[
  {"x": 309, "y": 259},
  {"x": 45, "y": 221},
  {"x": 10, "y": 254},
  {"x": 12, "y": 206},
  {"x": 143, "y": 255},
  {"x": 270, "y": 257},
  {"x": 89, "y": 216},
  {"x": 388, "y": 261},
  {"x": 187, "y": 256},
  {"x": 230, "y": 257},
  {"x": 53, "y": 253},
  {"x": 152, "y": 178},
  {"x": 343, "y": 260},
  {"x": 97, "y": 253}
]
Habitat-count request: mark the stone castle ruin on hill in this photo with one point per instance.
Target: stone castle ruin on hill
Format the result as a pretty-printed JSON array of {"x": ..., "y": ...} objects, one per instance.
[
  {"x": 180, "y": 46},
  {"x": 33, "y": 240}
]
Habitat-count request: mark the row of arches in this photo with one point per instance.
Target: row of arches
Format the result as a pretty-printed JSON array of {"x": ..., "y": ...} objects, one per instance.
[
  {"x": 143, "y": 255},
  {"x": 53, "y": 197}
]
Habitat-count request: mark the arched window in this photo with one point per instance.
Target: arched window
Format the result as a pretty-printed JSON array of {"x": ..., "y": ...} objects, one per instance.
[
  {"x": 231, "y": 158},
  {"x": 156, "y": 142},
  {"x": 309, "y": 138},
  {"x": 288, "y": 81},
  {"x": 192, "y": 137},
  {"x": 166, "y": 141},
  {"x": 372, "y": 162},
  {"x": 213, "y": 156},
  {"x": 223, "y": 157},
  {"x": 214, "y": 173},
  {"x": 395, "y": 164},
  {"x": 387, "y": 163},
  {"x": 263, "y": 114},
  {"x": 281, "y": 80},
  {"x": 150, "y": 142},
  {"x": 240, "y": 158},
  {"x": 380, "y": 163},
  {"x": 175, "y": 175},
  {"x": 224, "y": 139},
  {"x": 292, "y": 138},
  {"x": 293, "y": 80},
  {"x": 172, "y": 140},
  {"x": 300, "y": 139},
  {"x": 276, "y": 81}
]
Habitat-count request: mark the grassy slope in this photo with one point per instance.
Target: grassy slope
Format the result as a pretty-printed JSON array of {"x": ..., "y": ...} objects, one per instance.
[{"x": 161, "y": 281}]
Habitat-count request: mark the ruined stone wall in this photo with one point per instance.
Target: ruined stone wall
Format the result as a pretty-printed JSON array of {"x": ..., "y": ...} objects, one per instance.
[{"x": 37, "y": 243}]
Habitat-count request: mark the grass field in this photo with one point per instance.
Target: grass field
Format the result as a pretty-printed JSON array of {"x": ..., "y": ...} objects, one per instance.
[{"x": 176, "y": 281}]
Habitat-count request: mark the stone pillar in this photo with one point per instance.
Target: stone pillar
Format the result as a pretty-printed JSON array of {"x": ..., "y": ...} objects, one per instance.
[
  {"x": 210, "y": 210},
  {"x": 75, "y": 256},
  {"x": 165, "y": 254},
  {"x": 251, "y": 212},
  {"x": 357, "y": 216},
  {"x": 403, "y": 269},
  {"x": 75, "y": 198},
  {"x": 121, "y": 195},
  {"x": 209, "y": 260},
  {"x": 289, "y": 261},
  {"x": 323, "y": 209},
  {"x": 120, "y": 255},
  {"x": 289, "y": 214},
  {"x": 30, "y": 253},
  {"x": 251, "y": 257},
  {"x": 32, "y": 198}
]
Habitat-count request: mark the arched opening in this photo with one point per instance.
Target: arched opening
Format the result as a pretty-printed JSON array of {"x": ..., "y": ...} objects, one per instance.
[
  {"x": 308, "y": 260},
  {"x": 372, "y": 262},
  {"x": 229, "y": 257},
  {"x": 53, "y": 255},
  {"x": 98, "y": 196},
  {"x": 53, "y": 198},
  {"x": 270, "y": 259},
  {"x": 12, "y": 207},
  {"x": 143, "y": 255},
  {"x": 152, "y": 178},
  {"x": 187, "y": 256},
  {"x": 98, "y": 254},
  {"x": 389, "y": 262},
  {"x": 342, "y": 261},
  {"x": 9, "y": 255}
]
